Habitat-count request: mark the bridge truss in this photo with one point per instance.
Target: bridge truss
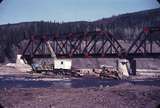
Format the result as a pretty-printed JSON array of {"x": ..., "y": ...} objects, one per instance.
[{"x": 98, "y": 44}]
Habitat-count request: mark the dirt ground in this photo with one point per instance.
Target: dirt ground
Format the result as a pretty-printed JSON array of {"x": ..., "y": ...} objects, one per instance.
[{"x": 120, "y": 95}]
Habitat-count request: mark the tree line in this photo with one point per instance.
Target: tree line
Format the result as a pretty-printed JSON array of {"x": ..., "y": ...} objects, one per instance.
[{"x": 124, "y": 27}]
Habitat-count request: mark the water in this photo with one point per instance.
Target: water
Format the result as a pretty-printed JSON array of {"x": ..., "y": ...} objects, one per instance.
[{"x": 11, "y": 81}]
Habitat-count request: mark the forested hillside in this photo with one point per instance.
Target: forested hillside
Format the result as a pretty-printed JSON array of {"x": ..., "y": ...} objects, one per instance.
[{"x": 126, "y": 27}]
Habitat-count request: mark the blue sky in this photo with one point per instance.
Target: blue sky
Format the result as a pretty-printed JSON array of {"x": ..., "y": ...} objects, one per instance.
[{"x": 13, "y": 11}]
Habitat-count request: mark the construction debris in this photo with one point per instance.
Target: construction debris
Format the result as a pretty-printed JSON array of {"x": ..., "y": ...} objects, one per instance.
[{"x": 109, "y": 72}]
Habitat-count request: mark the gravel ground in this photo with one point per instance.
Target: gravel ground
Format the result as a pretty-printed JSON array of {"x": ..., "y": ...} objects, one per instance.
[
  {"x": 121, "y": 96},
  {"x": 22, "y": 90}
]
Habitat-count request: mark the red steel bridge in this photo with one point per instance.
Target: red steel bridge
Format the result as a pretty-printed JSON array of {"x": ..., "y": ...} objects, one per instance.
[{"x": 98, "y": 44}]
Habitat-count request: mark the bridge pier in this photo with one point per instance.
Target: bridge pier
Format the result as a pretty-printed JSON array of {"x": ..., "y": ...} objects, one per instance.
[
  {"x": 132, "y": 66},
  {"x": 126, "y": 66}
]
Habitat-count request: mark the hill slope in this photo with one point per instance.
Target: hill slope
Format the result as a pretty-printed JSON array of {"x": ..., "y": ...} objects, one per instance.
[{"x": 126, "y": 27}]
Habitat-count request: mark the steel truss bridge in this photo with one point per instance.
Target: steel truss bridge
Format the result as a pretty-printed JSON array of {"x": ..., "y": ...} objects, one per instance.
[{"x": 98, "y": 44}]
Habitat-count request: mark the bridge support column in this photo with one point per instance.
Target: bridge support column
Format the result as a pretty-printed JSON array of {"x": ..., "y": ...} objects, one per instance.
[
  {"x": 127, "y": 66},
  {"x": 132, "y": 66},
  {"x": 123, "y": 66}
]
